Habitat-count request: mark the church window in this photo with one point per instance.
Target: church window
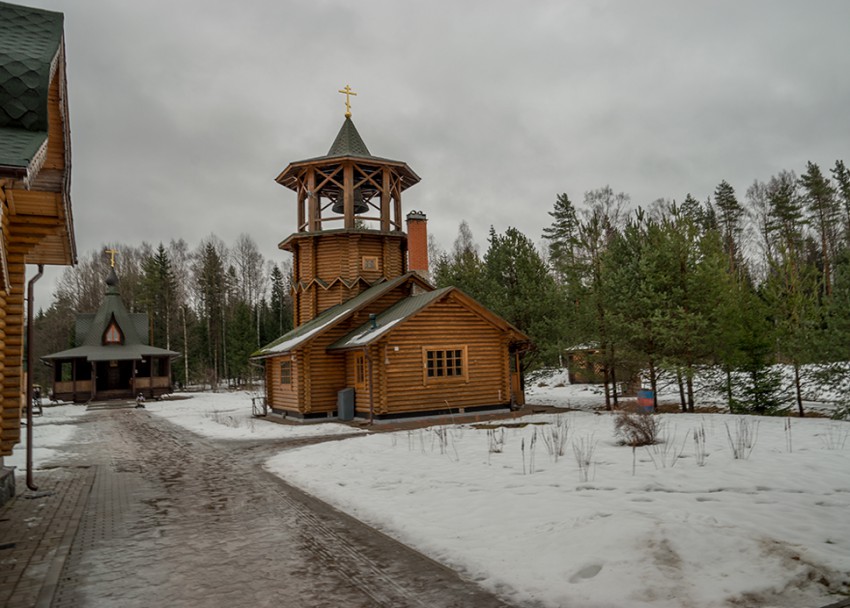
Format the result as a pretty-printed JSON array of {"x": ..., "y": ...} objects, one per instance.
[{"x": 113, "y": 334}]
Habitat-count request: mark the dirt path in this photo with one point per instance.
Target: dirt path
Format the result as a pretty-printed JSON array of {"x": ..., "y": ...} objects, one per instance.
[{"x": 176, "y": 520}]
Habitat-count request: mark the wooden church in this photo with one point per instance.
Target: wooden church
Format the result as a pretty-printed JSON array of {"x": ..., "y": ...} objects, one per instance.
[
  {"x": 111, "y": 357},
  {"x": 366, "y": 317}
]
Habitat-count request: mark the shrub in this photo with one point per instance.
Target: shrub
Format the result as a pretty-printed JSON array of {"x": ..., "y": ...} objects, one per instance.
[{"x": 636, "y": 429}]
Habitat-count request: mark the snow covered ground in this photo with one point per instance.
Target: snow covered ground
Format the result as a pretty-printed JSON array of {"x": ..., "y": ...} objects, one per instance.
[
  {"x": 678, "y": 524},
  {"x": 54, "y": 429},
  {"x": 227, "y": 415},
  {"x": 645, "y": 529}
]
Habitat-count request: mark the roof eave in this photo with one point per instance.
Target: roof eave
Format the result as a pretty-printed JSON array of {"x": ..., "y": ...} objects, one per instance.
[{"x": 288, "y": 179}]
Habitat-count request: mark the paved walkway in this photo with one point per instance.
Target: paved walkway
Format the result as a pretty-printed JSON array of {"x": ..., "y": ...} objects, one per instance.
[{"x": 148, "y": 514}]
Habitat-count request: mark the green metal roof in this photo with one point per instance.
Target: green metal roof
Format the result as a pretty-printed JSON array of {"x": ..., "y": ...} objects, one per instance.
[
  {"x": 30, "y": 40},
  {"x": 299, "y": 336},
  {"x": 399, "y": 312}
]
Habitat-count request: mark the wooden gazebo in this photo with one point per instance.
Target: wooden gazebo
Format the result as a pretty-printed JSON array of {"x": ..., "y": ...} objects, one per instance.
[{"x": 111, "y": 358}]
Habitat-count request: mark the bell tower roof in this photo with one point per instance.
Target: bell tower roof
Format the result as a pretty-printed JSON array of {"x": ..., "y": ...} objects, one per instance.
[
  {"x": 348, "y": 142},
  {"x": 347, "y": 145}
]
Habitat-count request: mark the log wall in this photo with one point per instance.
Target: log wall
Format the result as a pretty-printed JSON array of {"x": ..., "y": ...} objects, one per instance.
[
  {"x": 336, "y": 260},
  {"x": 446, "y": 325},
  {"x": 13, "y": 351},
  {"x": 4, "y": 405},
  {"x": 282, "y": 396},
  {"x": 318, "y": 374}
]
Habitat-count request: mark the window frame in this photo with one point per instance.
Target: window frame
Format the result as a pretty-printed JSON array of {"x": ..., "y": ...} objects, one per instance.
[
  {"x": 458, "y": 353},
  {"x": 359, "y": 362},
  {"x": 370, "y": 258},
  {"x": 113, "y": 334},
  {"x": 285, "y": 378}
]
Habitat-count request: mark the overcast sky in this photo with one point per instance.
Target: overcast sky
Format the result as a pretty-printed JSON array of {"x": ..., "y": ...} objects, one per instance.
[{"x": 184, "y": 112}]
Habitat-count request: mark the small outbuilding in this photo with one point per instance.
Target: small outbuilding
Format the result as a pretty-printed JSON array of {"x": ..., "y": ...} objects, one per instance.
[{"x": 111, "y": 357}]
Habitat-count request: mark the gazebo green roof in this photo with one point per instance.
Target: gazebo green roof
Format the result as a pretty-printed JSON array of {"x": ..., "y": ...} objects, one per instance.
[{"x": 90, "y": 345}]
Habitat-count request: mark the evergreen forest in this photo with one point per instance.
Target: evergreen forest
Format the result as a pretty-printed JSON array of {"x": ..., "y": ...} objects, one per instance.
[{"x": 753, "y": 285}]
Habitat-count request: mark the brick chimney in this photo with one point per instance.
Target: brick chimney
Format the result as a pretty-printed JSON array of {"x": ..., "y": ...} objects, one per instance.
[{"x": 417, "y": 243}]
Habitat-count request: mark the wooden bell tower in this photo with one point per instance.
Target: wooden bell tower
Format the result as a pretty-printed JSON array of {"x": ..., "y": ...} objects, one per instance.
[{"x": 349, "y": 233}]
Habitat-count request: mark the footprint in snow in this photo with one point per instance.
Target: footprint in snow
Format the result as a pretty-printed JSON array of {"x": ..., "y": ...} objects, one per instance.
[{"x": 587, "y": 572}]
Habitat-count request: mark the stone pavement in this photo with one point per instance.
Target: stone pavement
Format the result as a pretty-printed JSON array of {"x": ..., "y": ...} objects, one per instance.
[
  {"x": 36, "y": 532},
  {"x": 143, "y": 513}
]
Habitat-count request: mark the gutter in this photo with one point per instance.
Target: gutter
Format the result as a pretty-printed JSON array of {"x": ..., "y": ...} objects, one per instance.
[{"x": 30, "y": 357}]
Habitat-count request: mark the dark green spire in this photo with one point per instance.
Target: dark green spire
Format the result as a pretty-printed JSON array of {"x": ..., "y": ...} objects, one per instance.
[{"x": 348, "y": 142}]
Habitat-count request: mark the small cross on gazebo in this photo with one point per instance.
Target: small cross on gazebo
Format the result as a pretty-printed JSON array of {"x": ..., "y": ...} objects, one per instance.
[{"x": 111, "y": 253}]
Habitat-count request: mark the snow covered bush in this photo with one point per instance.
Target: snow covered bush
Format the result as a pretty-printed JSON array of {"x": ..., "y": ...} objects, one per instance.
[{"x": 637, "y": 429}]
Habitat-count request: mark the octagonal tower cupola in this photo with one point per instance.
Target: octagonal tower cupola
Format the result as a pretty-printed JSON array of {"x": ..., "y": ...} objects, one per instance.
[{"x": 349, "y": 230}]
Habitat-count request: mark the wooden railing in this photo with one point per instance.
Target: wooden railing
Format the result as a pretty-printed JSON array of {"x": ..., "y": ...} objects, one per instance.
[
  {"x": 158, "y": 382},
  {"x": 80, "y": 386}
]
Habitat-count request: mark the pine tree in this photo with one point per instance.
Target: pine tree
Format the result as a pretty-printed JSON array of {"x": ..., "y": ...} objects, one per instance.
[
  {"x": 522, "y": 291},
  {"x": 157, "y": 294},
  {"x": 240, "y": 342},
  {"x": 211, "y": 286},
  {"x": 597, "y": 229},
  {"x": 841, "y": 175},
  {"x": 281, "y": 321},
  {"x": 562, "y": 235},
  {"x": 824, "y": 213},
  {"x": 730, "y": 214}
]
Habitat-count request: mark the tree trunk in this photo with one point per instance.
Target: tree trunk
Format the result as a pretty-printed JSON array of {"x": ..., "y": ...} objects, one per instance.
[
  {"x": 653, "y": 383},
  {"x": 681, "y": 384},
  {"x": 798, "y": 390},
  {"x": 729, "y": 387},
  {"x": 185, "y": 350},
  {"x": 689, "y": 380},
  {"x": 614, "y": 380}
]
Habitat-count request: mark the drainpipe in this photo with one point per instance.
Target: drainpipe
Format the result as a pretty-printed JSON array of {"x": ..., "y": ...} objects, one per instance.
[
  {"x": 30, "y": 339},
  {"x": 368, "y": 357}
]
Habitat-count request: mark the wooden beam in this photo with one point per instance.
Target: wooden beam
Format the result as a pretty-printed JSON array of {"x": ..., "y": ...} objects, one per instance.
[{"x": 348, "y": 195}]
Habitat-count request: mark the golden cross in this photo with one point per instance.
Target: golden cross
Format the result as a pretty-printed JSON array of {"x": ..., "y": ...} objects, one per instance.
[
  {"x": 347, "y": 92},
  {"x": 111, "y": 253}
]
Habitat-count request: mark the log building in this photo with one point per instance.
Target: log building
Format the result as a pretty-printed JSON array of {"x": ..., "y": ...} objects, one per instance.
[
  {"x": 36, "y": 225},
  {"x": 369, "y": 327}
]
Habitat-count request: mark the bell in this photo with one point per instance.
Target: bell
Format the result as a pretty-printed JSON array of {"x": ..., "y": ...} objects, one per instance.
[{"x": 360, "y": 205}]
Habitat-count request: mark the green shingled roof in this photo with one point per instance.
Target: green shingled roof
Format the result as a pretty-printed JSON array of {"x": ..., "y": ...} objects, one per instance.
[
  {"x": 30, "y": 40},
  {"x": 19, "y": 148},
  {"x": 90, "y": 344},
  {"x": 348, "y": 141}
]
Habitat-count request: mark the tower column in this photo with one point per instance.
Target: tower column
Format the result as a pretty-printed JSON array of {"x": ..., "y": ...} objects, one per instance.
[
  {"x": 385, "y": 199},
  {"x": 348, "y": 194},
  {"x": 312, "y": 200}
]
